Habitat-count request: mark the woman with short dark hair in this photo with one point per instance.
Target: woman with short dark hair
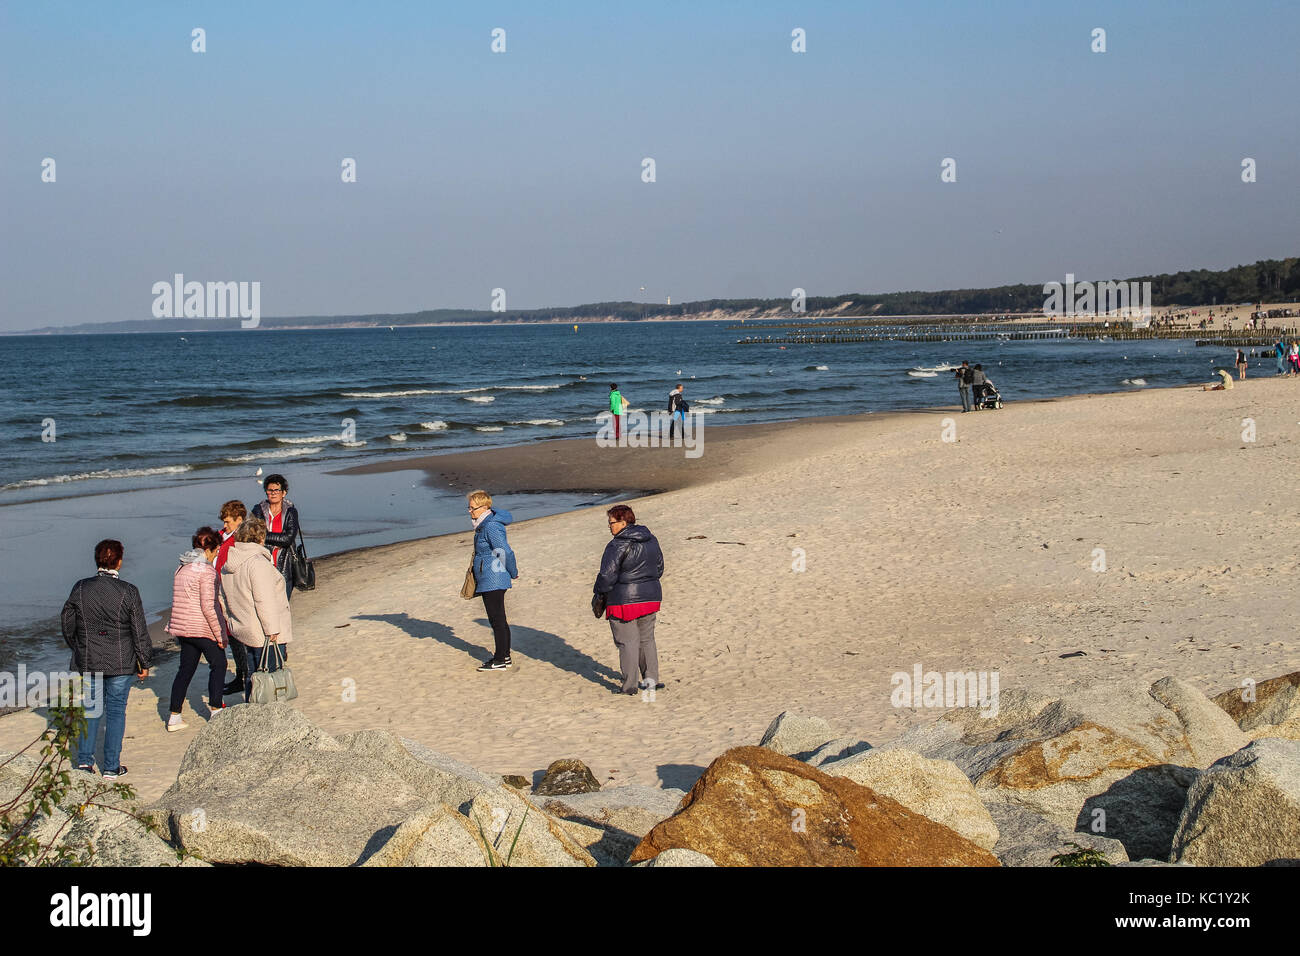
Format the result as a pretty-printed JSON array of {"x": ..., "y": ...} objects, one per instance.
[
  {"x": 281, "y": 519},
  {"x": 197, "y": 625},
  {"x": 628, "y": 586}
]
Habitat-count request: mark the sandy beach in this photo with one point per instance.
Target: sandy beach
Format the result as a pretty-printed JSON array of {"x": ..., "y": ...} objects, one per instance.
[{"x": 973, "y": 554}]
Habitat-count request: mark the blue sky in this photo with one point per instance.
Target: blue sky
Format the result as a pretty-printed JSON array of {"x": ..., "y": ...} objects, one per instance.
[{"x": 521, "y": 170}]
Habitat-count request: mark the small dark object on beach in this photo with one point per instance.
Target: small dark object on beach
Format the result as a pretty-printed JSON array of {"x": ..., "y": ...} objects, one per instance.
[
  {"x": 1075, "y": 654},
  {"x": 565, "y": 777},
  {"x": 337, "y": 626},
  {"x": 697, "y": 537},
  {"x": 741, "y": 543},
  {"x": 517, "y": 781}
]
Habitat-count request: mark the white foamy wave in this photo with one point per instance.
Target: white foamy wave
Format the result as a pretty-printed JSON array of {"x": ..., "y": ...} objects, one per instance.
[
  {"x": 452, "y": 391},
  {"x": 400, "y": 436},
  {"x": 539, "y": 421},
  {"x": 933, "y": 368},
  {"x": 1134, "y": 381},
  {"x": 488, "y": 428},
  {"x": 433, "y": 426},
  {"x": 481, "y": 399},
  {"x": 820, "y": 368},
  {"x": 313, "y": 440},
  {"x": 709, "y": 401},
  {"x": 403, "y": 394},
  {"x": 352, "y": 444},
  {"x": 270, "y": 455},
  {"x": 92, "y": 475},
  {"x": 915, "y": 374}
]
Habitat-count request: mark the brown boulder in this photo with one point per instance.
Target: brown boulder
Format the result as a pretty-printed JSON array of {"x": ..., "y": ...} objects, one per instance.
[
  {"x": 564, "y": 777},
  {"x": 1276, "y": 701},
  {"x": 756, "y": 807}
]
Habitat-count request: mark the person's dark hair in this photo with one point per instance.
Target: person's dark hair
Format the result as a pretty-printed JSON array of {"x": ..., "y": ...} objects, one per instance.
[
  {"x": 622, "y": 513},
  {"x": 613, "y": 388},
  {"x": 206, "y": 538},
  {"x": 107, "y": 553},
  {"x": 276, "y": 480},
  {"x": 234, "y": 508},
  {"x": 980, "y": 367}
]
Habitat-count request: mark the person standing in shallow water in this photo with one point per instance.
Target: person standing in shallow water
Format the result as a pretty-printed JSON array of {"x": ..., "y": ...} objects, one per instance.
[
  {"x": 616, "y": 409},
  {"x": 628, "y": 584},
  {"x": 494, "y": 568}
]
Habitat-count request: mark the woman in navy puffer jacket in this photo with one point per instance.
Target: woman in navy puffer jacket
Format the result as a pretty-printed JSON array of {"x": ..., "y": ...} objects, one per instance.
[{"x": 494, "y": 568}]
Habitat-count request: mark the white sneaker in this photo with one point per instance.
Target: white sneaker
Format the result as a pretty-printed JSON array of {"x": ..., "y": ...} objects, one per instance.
[{"x": 174, "y": 723}]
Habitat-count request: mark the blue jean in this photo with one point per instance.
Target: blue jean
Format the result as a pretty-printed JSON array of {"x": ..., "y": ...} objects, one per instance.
[{"x": 115, "y": 693}]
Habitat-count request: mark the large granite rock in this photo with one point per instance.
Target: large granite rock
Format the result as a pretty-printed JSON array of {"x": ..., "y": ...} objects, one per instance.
[
  {"x": 1244, "y": 810},
  {"x": 520, "y": 833},
  {"x": 107, "y": 835},
  {"x": 263, "y": 785},
  {"x": 756, "y": 807},
  {"x": 1117, "y": 754},
  {"x": 612, "y": 822},
  {"x": 841, "y": 748},
  {"x": 1027, "y": 839},
  {"x": 1277, "y": 701},
  {"x": 565, "y": 777},
  {"x": 1287, "y": 730},
  {"x": 796, "y": 735},
  {"x": 933, "y": 788}
]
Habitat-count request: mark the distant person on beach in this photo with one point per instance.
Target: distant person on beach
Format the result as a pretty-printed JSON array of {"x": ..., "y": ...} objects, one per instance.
[
  {"x": 616, "y": 409},
  {"x": 254, "y": 601},
  {"x": 628, "y": 583},
  {"x": 494, "y": 568},
  {"x": 281, "y": 519},
  {"x": 232, "y": 515},
  {"x": 1241, "y": 364},
  {"x": 977, "y": 385},
  {"x": 1280, "y": 349},
  {"x": 197, "y": 625},
  {"x": 677, "y": 409},
  {"x": 1294, "y": 356},
  {"x": 963, "y": 377},
  {"x": 104, "y": 625}
]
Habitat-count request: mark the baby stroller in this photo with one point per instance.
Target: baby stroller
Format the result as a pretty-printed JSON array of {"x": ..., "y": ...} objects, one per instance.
[{"x": 990, "y": 397}]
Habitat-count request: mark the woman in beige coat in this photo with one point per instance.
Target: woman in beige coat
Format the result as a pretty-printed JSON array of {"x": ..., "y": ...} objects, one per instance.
[{"x": 254, "y": 601}]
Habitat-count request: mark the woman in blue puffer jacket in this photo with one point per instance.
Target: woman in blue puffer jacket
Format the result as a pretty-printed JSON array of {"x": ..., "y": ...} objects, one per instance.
[{"x": 494, "y": 568}]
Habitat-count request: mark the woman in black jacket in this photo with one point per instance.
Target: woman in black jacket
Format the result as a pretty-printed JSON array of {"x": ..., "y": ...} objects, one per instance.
[
  {"x": 281, "y": 519},
  {"x": 628, "y": 587}
]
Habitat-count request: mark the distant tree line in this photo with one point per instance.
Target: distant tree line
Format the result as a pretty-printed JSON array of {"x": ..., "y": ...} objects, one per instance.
[{"x": 1269, "y": 280}]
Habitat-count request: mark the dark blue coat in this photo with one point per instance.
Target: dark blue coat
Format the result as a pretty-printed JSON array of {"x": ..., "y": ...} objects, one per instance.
[{"x": 631, "y": 567}]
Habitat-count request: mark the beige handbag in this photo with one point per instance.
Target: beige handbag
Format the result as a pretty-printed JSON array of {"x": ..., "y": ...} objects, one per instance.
[
  {"x": 467, "y": 589},
  {"x": 271, "y": 687}
]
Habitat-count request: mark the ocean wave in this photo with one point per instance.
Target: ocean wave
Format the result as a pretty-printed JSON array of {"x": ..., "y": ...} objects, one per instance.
[
  {"x": 272, "y": 455},
  {"x": 481, "y": 399},
  {"x": 815, "y": 368},
  {"x": 539, "y": 421},
  {"x": 352, "y": 444},
  {"x": 1134, "y": 381},
  {"x": 718, "y": 400},
  {"x": 313, "y": 440},
  {"x": 915, "y": 374},
  {"x": 488, "y": 428},
  {"x": 399, "y": 436},
  {"x": 933, "y": 368},
  {"x": 102, "y": 473},
  {"x": 409, "y": 392},
  {"x": 433, "y": 426}
]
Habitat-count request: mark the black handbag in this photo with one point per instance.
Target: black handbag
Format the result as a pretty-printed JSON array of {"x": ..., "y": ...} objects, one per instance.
[{"x": 304, "y": 570}]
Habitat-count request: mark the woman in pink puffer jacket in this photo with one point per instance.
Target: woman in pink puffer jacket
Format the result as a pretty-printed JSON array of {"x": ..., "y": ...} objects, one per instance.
[{"x": 197, "y": 624}]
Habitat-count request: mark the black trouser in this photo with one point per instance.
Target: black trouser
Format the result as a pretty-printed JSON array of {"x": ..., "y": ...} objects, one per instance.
[
  {"x": 494, "y": 603},
  {"x": 240, "y": 654},
  {"x": 192, "y": 648}
]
